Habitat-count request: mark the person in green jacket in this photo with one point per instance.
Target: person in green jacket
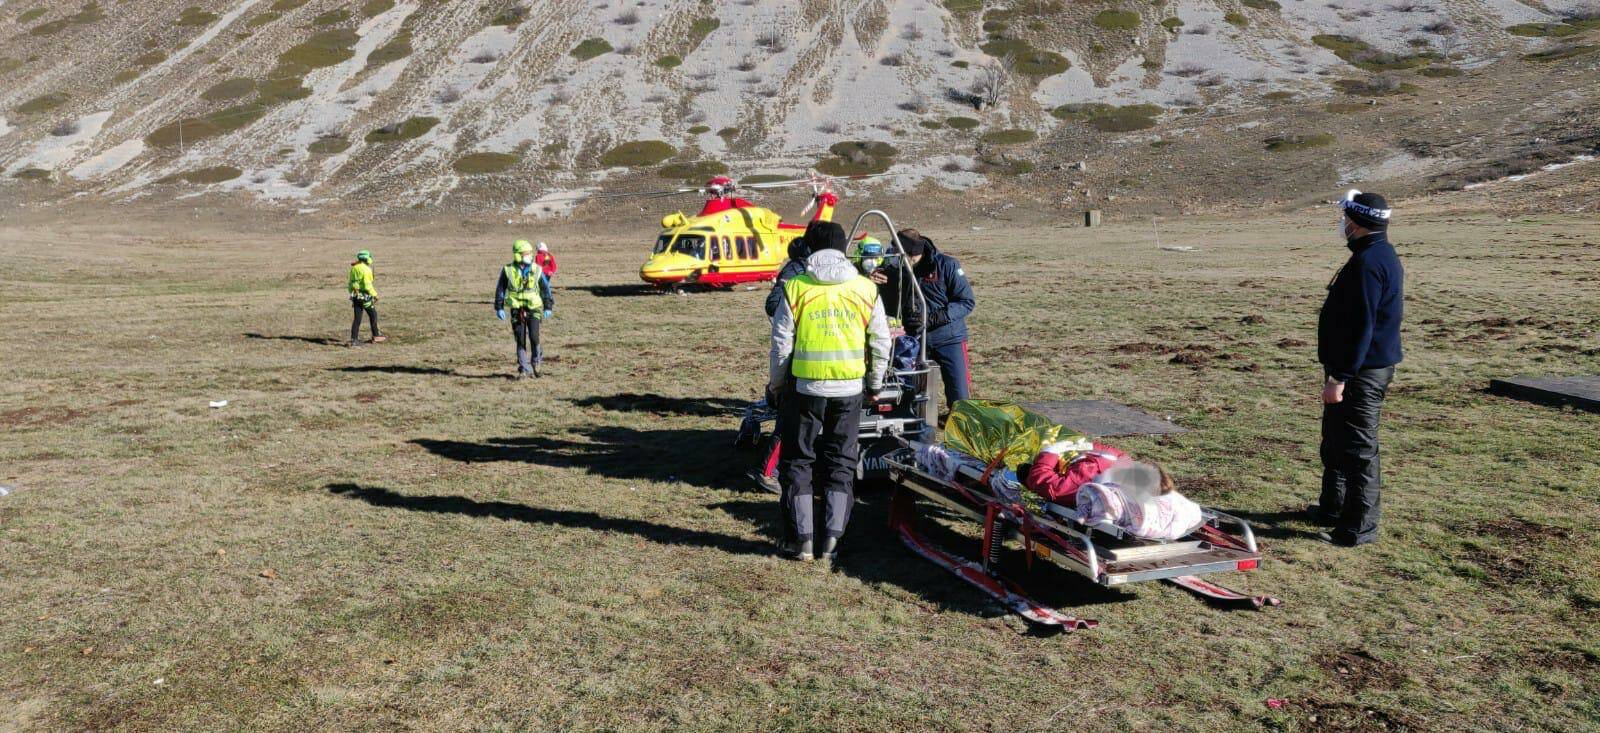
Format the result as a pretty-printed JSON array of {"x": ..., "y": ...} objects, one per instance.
[
  {"x": 523, "y": 295},
  {"x": 363, "y": 297}
]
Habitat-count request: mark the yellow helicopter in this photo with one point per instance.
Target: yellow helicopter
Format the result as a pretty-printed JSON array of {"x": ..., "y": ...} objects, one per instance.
[{"x": 731, "y": 240}]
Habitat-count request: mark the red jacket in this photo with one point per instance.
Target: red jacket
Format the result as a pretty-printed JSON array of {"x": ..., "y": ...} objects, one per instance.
[
  {"x": 1062, "y": 488},
  {"x": 546, "y": 262}
]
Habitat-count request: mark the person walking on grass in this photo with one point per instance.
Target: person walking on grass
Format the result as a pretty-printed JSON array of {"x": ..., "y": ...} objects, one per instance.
[
  {"x": 363, "y": 297},
  {"x": 1358, "y": 344},
  {"x": 829, "y": 335},
  {"x": 523, "y": 296}
]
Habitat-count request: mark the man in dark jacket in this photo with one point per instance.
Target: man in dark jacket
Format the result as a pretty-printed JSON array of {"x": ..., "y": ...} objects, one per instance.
[
  {"x": 798, "y": 252},
  {"x": 949, "y": 296},
  {"x": 1358, "y": 344}
]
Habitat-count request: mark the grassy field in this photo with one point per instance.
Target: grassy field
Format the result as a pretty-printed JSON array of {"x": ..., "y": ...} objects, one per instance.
[{"x": 399, "y": 537}]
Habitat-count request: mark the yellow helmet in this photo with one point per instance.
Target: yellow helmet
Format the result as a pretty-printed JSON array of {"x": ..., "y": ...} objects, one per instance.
[{"x": 522, "y": 247}]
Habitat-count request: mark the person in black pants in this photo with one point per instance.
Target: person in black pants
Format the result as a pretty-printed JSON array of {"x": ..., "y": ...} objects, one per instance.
[
  {"x": 950, "y": 300},
  {"x": 1358, "y": 344},
  {"x": 830, "y": 339}
]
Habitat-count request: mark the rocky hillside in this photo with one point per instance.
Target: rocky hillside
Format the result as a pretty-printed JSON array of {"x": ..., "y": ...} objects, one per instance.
[{"x": 498, "y": 103}]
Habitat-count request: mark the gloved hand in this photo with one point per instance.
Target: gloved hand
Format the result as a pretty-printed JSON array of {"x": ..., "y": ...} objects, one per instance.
[
  {"x": 913, "y": 322},
  {"x": 548, "y": 314},
  {"x": 938, "y": 318},
  {"x": 500, "y": 314},
  {"x": 771, "y": 397}
]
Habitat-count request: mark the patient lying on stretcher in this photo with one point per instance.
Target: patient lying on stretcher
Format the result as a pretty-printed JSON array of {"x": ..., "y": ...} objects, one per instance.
[{"x": 1107, "y": 486}]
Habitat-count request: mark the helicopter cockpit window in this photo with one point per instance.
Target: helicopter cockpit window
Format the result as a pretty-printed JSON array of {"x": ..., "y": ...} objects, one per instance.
[
  {"x": 691, "y": 244},
  {"x": 661, "y": 244}
]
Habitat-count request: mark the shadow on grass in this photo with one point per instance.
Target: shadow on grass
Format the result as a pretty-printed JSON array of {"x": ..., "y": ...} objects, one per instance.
[
  {"x": 420, "y": 371},
  {"x": 1273, "y": 524},
  {"x": 704, "y": 458},
  {"x": 660, "y": 405},
  {"x": 318, "y": 340},
  {"x": 872, "y": 553},
  {"x": 661, "y": 533},
  {"x": 614, "y": 291}
]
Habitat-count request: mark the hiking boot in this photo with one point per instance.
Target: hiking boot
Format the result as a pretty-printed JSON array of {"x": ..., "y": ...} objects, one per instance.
[
  {"x": 830, "y": 550},
  {"x": 352, "y": 343},
  {"x": 535, "y": 372},
  {"x": 767, "y": 483},
  {"x": 379, "y": 339},
  {"x": 802, "y": 551},
  {"x": 1316, "y": 515},
  {"x": 1336, "y": 540}
]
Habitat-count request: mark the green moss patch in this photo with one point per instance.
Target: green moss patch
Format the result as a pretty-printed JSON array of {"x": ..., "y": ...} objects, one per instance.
[
  {"x": 150, "y": 59},
  {"x": 1262, "y": 5},
  {"x": 1172, "y": 24},
  {"x": 32, "y": 174},
  {"x": 510, "y": 17},
  {"x": 1379, "y": 87},
  {"x": 1440, "y": 72},
  {"x": 1030, "y": 61},
  {"x": 1359, "y": 54},
  {"x": 332, "y": 17},
  {"x": 230, "y": 89},
  {"x": 1558, "y": 54},
  {"x": 1010, "y": 137},
  {"x": 397, "y": 48},
  {"x": 1344, "y": 108},
  {"x": 126, "y": 75},
  {"x": 325, "y": 48},
  {"x": 699, "y": 130},
  {"x": 669, "y": 62},
  {"x": 1544, "y": 30},
  {"x": 263, "y": 19},
  {"x": 284, "y": 6},
  {"x": 1110, "y": 118},
  {"x": 28, "y": 16},
  {"x": 1003, "y": 166},
  {"x": 591, "y": 48},
  {"x": 8, "y": 65},
  {"x": 638, "y": 153},
  {"x": 963, "y": 6},
  {"x": 1116, "y": 20},
  {"x": 376, "y": 7},
  {"x": 1237, "y": 19},
  {"x": 279, "y": 91},
  {"x": 409, "y": 130},
  {"x": 728, "y": 133},
  {"x": 931, "y": 124},
  {"x": 1290, "y": 143},
  {"x": 692, "y": 172},
  {"x": 1278, "y": 96},
  {"x": 478, "y": 163},
  {"x": 195, "y": 15},
  {"x": 329, "y": 146},
  {"x": 858, "y": 158},
  {"x": 43, "y": 103},
  {"x": 217, "y": 174},
  {"x": 961, "y": 123}
]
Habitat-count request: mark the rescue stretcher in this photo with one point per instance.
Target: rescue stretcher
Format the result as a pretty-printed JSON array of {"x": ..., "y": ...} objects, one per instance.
[{"x": 1103, "y": 553}]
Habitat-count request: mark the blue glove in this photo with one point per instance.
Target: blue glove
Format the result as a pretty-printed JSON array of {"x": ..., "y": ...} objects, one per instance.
[
  {"x": 548, "y": 314},
  {"x": 500, "y": 314}
]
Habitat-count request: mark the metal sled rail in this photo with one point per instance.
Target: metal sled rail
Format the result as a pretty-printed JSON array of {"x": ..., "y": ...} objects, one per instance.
[{"x": 1103, "y": 554}]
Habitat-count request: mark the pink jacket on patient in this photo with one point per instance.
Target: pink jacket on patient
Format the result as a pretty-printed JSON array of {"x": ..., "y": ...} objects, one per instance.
[{"x": 1061, "y": 487}]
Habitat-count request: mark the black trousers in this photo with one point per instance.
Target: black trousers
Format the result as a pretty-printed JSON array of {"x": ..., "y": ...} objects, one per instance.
[
  {"x": 358, "y": 305},
  {"x": 821, "y": 447},
  {"x": 525, "y": 329},
  {"x": 1350, "y": 476}
]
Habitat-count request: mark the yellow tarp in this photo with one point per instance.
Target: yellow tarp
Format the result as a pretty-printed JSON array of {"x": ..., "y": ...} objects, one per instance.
[{"x": 988, "y": 429}]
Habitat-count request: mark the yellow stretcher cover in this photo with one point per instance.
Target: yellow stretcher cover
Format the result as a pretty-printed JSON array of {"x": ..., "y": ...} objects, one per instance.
[{"x": 1001, "y": 432}]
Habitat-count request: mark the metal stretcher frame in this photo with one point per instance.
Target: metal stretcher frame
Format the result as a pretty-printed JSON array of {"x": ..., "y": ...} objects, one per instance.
[{"x": 1070, "y": 544}]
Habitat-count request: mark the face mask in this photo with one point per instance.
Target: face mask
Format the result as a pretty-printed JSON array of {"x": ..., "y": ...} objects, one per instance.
[
  {"x": 870, "y": 264},
  {"x": 527, "y": 259}
]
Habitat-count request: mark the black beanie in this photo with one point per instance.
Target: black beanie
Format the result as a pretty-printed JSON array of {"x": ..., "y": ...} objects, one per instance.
[
  {"x": 821, "y": 235},
  {"x": 913, "y": 242},
  {"x": 1370, "y": 210}
]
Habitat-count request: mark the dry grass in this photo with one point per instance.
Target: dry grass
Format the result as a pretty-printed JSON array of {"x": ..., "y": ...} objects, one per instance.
[{"x": 397, "y": 537}]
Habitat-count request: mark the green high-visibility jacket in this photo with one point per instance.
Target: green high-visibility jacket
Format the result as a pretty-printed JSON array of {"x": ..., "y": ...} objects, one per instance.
[
  {"x": 361, "y": 280},
  {"x": 830, "y": 335},
  {"x": 522, "y": 291}
]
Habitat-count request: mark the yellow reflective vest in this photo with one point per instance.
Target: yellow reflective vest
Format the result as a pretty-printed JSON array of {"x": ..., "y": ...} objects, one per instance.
[
  {"x": 830, "y": 326},
  {"x": 361, "y": 280},
  {"x": 522, "y": 291}
]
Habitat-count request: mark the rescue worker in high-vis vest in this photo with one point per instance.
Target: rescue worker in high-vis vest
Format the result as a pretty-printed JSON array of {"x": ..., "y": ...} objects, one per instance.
[
  {"x": 830, "y": 338},
  {"x": 363, "y": 297},
  {"x": 523, "y": 296}
]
